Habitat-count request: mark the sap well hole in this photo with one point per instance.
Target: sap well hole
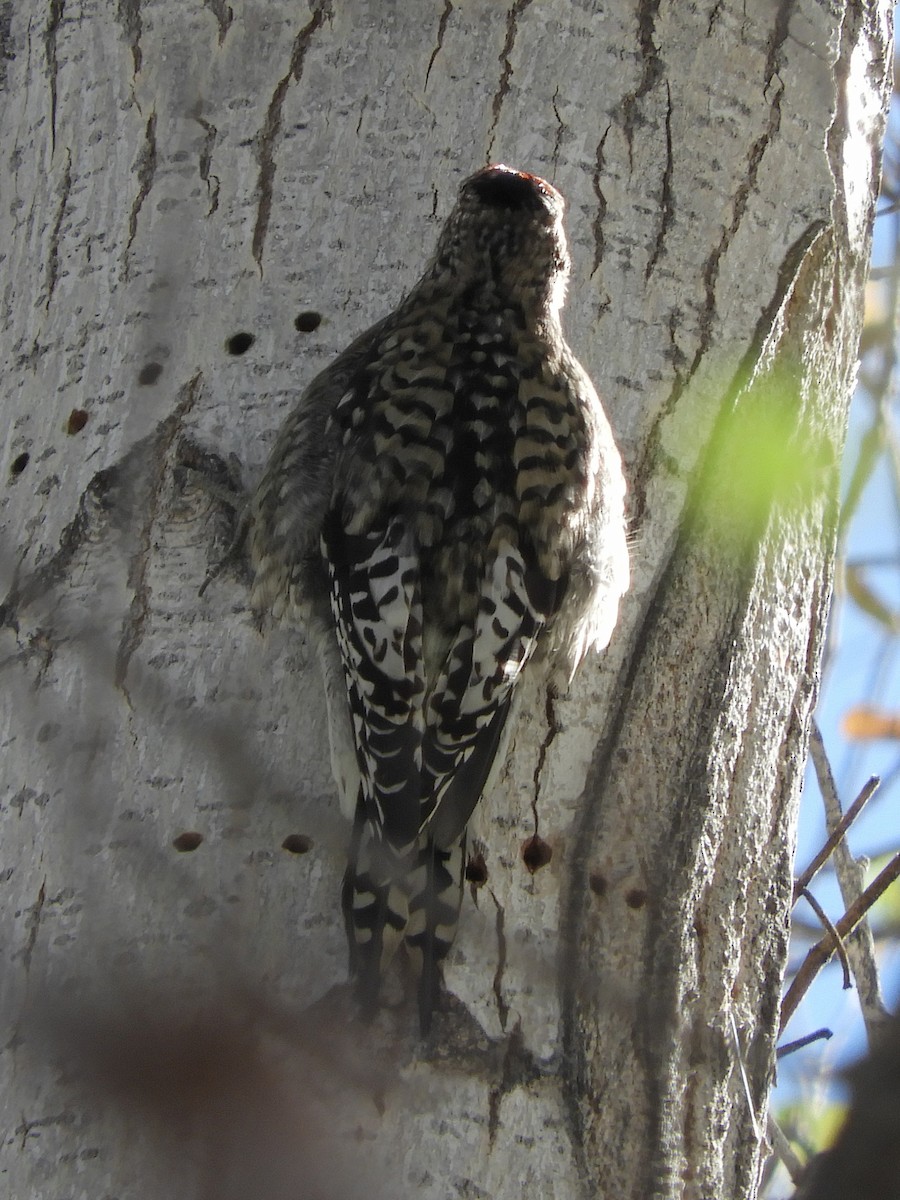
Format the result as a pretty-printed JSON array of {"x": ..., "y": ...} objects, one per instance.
[
  {"x": 239, "y": 343},
  {"x": 187, "y": 841}
]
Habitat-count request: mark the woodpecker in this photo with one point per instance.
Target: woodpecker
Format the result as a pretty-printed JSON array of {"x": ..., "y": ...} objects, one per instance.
[{"x": 443, "y": 508}]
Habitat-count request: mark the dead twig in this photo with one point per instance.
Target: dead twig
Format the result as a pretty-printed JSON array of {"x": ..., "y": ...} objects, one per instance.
[
  {"x": 839, "y": 945},
  {"x": 851, "y": 879},
  {"x": 819, "y": 954},
  {"x": 784, "y": 1150},
  {"x": 806, "y": 877},
  {"x": 819, "y": 1035}
]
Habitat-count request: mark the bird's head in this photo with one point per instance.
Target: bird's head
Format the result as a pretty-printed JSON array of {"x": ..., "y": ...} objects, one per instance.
[{"x": 506, "y": 230}]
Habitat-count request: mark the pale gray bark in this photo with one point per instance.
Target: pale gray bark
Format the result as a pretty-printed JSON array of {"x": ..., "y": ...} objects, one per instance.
[{"x": 176, "y": 172}]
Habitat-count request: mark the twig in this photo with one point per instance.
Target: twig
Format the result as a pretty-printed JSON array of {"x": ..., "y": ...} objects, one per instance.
[
  {"x": 823, "y": 950},
  {"x": 757, "y": 1132},
  {"x": 839, "y": 945},
  {"x": 785, "y": 1151},
  {"x": 850, "y": 876},
  {"x": 820, "y": 1035},
  {"x": 824, "y": 774},
  {"x": 805, "y": 879}
]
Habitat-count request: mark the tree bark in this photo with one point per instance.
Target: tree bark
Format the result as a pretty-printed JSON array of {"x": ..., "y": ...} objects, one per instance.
[{"x": 174, "y": 964}]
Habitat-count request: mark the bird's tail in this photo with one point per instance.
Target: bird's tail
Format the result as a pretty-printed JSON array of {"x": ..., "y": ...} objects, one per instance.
[
  {"x": 435, "y": 896},
  {"x": 390, "y": 894},
  {"x": 376, "y": 907}
]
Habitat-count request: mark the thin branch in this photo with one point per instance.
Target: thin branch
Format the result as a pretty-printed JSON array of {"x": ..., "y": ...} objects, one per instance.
[
  {"x": 805, "y": 879},
  {"x": 784, "y": 1150},
  {"x": 824, "y": 775},
  {"x": 839, "y": 945},
  {"x": 823, "y": 950},
  {"x": 851, "y": 878},
  {"x": 820, "y": 1035}
]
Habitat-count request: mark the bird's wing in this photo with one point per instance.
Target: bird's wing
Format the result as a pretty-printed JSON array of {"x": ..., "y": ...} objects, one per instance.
[
  {"x": 470, "y": 701},
  {"x": 377, "y": 607},
  {"x": 293, "y": 494},
  {"x": 424, "y": 751}
]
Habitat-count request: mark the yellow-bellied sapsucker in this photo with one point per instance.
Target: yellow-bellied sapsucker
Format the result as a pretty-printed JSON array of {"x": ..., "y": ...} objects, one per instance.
[{"x": 444, "y": 505}]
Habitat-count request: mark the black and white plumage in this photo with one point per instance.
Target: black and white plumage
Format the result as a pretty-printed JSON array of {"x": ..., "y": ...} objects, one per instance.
[{"x": 444, "y": 506}]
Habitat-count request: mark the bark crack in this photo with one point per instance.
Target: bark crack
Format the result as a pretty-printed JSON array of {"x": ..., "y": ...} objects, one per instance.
[
  {"x": 518, "y": 1068},
  {"x": 738, "y": 209},
  {"x": 553, "y": 728},
  {"x": 512, "y": 23},
  {"x": 223, "y": 13},
  {"x": 129, "y": 14},
  {"x": 561, "y": 130},
  {"x": 652, "y": 70},
  {"x": 7, "y": 45},
  {"x": 212, "y": 182},
  {"x": 57, "y": 10},
  {"x": 786, "y": 275},
  {"x": 597, "y": 224},
  {"x": 33, "y": 924},
  {"x": 271, "y": 127},
  {"x": 779, "y": 35},
  {"x": 53, "y": 252},
  {"x": 667, "y": 208},
  {"x": 714, "y": 15},
  {"x": 133, "y": 625},
  {"x": 146, "y": 171},
  {"x": 441, "y": 30},
  {"x": 502, "y": 1006},
  {"x": 362, "y": 113}
]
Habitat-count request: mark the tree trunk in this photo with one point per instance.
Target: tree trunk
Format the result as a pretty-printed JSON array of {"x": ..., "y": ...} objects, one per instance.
[{"x": 174, "y": 980}]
